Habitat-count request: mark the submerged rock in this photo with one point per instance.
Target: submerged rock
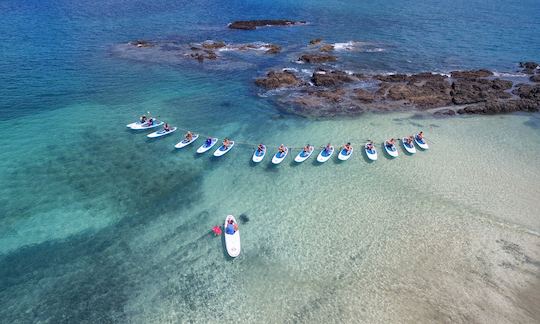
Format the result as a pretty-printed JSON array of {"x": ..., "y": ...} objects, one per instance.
[
  {"x": 141, "y": 43},
  {"x": 253, "y": 24},
  {"x": 327, "y": 48},
  {"x": 315, "y": 41},
  {"x": 213, "y": 45},
  {"x": 317, "y": 58},
  {"x": 278, "y": 79}
]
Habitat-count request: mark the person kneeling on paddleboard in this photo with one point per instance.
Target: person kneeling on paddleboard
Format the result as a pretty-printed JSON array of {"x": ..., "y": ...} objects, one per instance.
[
  {"x": 208, "y": 141},
  {"x": 189, "y": 136},
  {"x": 370, "y": 146},
  {"x": 420, "y": 136},
  {"x": 390, "y": 143},
  {"x": 226, "y": 143},
  {"x": 231, "y": 228},
  {"x": 260, "y": 148},
  {"x": 347, "y": 147},
  {"x": 409, "y": 140},
  {"x": 143, "y": 119},
  {"x": 166, "y": 127},
  {"x": 281, "y": 149},
  {"x": 307, "y": 149},
  {"x": 328, "y": 148}
]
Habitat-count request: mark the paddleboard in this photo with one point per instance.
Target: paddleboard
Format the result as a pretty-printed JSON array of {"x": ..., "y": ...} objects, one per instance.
[
  {"x": 408, "y": 147},
  {"x": 258, "y": 156},
  {"x": 203, "y": 148},
  {"x": 392, "y": 151},
  {"x": 324, "y": 155},
  {"x": 161, "y": 132},
  {"x": 232, "y": 241},
  {"x": 302, "y": 156},
  {"x": 343, "y": 156},
  {"x": 279, "y": 157},
  {"x": 421, "y": 142},
  {"x": 141, "y": 126},
  {"x": 371, "y": 154},
  {"x": 222, "y": 150},
  {"x": 185, "y": 142}
]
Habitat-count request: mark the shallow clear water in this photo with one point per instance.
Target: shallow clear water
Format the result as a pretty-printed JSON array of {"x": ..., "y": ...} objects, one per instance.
[{"x": 100, "y": 224}]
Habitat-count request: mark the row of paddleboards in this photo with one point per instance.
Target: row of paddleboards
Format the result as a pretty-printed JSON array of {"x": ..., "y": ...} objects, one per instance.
[{"x": 259, "y": 154}]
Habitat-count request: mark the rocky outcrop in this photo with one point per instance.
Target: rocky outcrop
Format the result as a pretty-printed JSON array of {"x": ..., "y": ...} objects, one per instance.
[
  {"x": 273, "y": 49},
  {"x": 364, "y": 96},
  {"x": 528, "y": 67},
  {"x": 317, "y": 58},
  {"x": 468, "y": 91},
  {"x": 327, "y": 48},
  {"x": 141, "y": 43},
  {"x": 501, "y": 106},
  {"x": 213, "y": 45},
  {"x": 315, "y": 41},
  {"x": 473, "y": 74},
  {"x": 253, "y": 24},
  {"x": 528, "y": 91},
  {"x": 281, "y": 79},
  {"x": 330, "y": 78}
]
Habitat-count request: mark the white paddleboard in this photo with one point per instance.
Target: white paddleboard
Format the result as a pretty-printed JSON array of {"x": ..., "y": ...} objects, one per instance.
[
  {"x": 324, "y": 156},
  {"x": 258, "y": 156},
  {"x": 302, "y": 156},
  {"x": 185, "y": 142},
  {"x": 279, "y": 157},
  {"x": 371, "y": 154},
  {"x": 161, "y": 132},
  {"x": 343, "y": 156},
  {"x": 141, "y": 126},
  {"x": 232, "y": 241},
  {"x": 408, "y": 147},
  {"x": 222, "y": 150},
  {"x": 203, "y": 148},
  {"x": 392, "y": 151},
  {"x": 421, "y": 142}
]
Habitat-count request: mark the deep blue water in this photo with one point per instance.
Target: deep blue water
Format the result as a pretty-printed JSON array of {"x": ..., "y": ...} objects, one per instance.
[{"x": 57, "y": 56}]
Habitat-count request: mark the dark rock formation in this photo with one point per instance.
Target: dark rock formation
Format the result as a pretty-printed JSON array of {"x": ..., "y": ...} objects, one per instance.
[
  {"x": 253, "y": 24},
  {"x": 273, "y": 49},
  {"x": 330, "y": 78},
  {"x": 327, "y": 48},
  {"x": 317, "y": 58},
  {"x": 141, "y": 43},
  {"x": 282, "y": 79},
  {"x": 535, "y": 78},
  {"x": 315, "y": 41},
  {"x": 444, "y": 112},
  {"x": 213, "y": 45},
  {"x": 364, "y": 96},
  {"x": 473, "y": 74},
  {"x": 528, "y": 91},
  {"x": 467, "y": 91},
  {"x": 528, "y": 67},
  {"x": 501, "y": 106}
]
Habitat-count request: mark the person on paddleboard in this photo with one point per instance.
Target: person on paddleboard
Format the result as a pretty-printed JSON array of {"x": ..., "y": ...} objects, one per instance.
[
  {"x": 231, "y": 228},
  {"x": 189, "y": 136},
  {"x": 328, "y": 148},
  {"x": 150, "y": 121},
  {"x": 166, "y": 127},
  {"x": 208, "y": 141},
  {"x": 143, "y": 119},
  {"x": 390, "y": 143},
  {"x": 282, "y": 148},
  {"x": 260, "y": 148},
  {"x": 420, "y": 136},
  {"x": 226, "y": 143},
  {"x": 307, "y": 149},
  {"x": 409, "y": 140},
  {"x": 347, "y": 147},
  {"x": 369, "y": 146}
]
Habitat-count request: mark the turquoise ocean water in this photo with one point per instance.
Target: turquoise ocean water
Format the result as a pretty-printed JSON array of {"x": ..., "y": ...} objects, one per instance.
[{"x": 99, "y": 224}]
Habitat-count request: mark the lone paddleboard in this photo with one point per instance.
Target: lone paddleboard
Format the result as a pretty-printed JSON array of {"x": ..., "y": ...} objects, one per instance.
[
  {"x": 186, "y": 142},
  {"x": 280, "y": 156},
  {"x": 222, "y": 149},
  {"x": 302, "y": 156},
  {"x": 232, "y": 241},
  {"x": 324, "y": 155},
  {"x": 258, "y": 156},
  {"x": 160, "y": 133},
  {"x": 371, "y": 153},
  {"x": 145, "y": 125},
  {"x": 391, "y": 150},
  {"x": 421, "y": 142},
  {"x": 344, "y": 155},
  {"x": 408, "y": 147},
  {"x": 205, "y": 147}
]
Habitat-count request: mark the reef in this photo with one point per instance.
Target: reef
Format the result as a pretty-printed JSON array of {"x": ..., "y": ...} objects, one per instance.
[{"x": 253, "y": 24}]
